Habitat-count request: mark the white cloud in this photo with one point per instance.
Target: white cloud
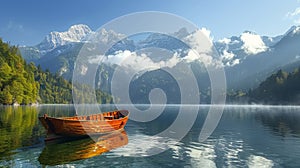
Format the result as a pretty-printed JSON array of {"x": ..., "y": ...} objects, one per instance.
[
  {"x": 235, "y": 42},
  {"x": 295, "y": 15},
  {"x": 207, "y": 33},
  {"x": 253, "y": 43},
  {"x": 137, "y": 62},
  {"x": 235, "y": 62},
  {"x": 142, "y": 62},
  {"x": 227, "y": 55},
  {"x": 228, "y": 58},
  {"x": 119, "y": 57},
  {"x": 225, "y": 41},
  {"x": 200, "y": 41},
  {"x": 193, "y": 56}
]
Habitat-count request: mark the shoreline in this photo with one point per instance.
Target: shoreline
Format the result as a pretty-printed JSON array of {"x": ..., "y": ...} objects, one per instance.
[{"x": 200, "y": 105}]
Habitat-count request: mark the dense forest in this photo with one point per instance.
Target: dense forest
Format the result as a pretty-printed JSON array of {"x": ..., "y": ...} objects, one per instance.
[
  {"x": 22, "y": 83},
  {"x": 280, "y": 88}
]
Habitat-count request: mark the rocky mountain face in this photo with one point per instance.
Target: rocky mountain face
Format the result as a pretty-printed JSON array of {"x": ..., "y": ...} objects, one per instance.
[
  {"x": 75, "y": 34},
  {"x": 271, "y": 55},
  {"x": 248, "y": 58}
]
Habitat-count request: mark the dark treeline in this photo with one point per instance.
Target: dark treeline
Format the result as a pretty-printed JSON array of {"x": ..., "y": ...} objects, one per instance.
[
  {"x": 280, "y": 88},
  {"x": 22, "y": 83}
]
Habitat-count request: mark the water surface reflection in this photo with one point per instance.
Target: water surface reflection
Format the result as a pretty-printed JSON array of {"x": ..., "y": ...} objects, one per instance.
[
  {"x": 62, "y": 152},
  {"x": 247, "y": 136}
]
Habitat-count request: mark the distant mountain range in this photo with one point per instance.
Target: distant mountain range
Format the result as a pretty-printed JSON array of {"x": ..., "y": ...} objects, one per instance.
[
  {"x": 248, "y": 58},
  {"x": 276, "y": 53}
]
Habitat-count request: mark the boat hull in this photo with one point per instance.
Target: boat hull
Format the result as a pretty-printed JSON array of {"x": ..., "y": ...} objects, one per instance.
[{"x": 86, "y": 125}]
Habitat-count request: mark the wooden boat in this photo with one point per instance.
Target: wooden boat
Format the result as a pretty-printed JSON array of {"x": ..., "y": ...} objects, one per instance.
[
  {"x": 94, "y": 124},
  {"x": 57, "y": 153}
]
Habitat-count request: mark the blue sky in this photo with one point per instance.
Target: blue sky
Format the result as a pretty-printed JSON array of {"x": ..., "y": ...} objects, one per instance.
[{"x": 27, "y": 22}]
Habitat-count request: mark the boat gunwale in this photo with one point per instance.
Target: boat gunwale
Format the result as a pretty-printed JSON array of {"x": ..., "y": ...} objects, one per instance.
[
  {"x": 63, "y": 119},
  {"x": 106, "y": 120}
]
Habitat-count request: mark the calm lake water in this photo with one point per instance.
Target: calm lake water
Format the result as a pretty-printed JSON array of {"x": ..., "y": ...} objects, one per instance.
[{"x": 247, "y": 136}]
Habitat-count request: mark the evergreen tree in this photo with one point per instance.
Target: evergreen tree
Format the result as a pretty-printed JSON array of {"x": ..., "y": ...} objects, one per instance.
[
  {"x": 25, "y": 83},
  {"x": 280, "y": 88}
]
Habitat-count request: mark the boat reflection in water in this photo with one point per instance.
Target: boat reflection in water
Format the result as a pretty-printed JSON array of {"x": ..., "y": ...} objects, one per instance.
[{"x": 59, "y": 152}]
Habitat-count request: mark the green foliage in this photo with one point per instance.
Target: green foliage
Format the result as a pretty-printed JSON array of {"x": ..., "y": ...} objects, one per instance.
[
  {"x": 237, "y": 96},
  {"x": 52, "y": 88},
  {"x": 16, "y": 81},
  {"x": 279, "y": 88},
  {"x": 24, "y": 83},
  {"x": 19, "y": 127}
]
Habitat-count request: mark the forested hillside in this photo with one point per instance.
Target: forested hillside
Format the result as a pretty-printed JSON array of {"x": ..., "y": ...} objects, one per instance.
[
  {"x": 22, "y": 83},
  {"x": 280, "y": 88},
  {"x": 17, "y": 83}
]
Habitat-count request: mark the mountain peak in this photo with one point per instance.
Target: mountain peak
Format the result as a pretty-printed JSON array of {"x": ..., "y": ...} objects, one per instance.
[
  {"x": 249, "y": 32},
  {"x": 293, "y": 30},
  {"x": 79, "y": 28},
  {"x": 296, "y": 30},
  {"x": 74, "y": 34}
]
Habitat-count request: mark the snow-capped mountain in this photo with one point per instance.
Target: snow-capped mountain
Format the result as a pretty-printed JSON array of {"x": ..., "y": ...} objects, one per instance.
[
  {"x": 292, "y": 31},
  {"x": 248, "y": 56},
  {"x": 282, "y": 52},
  {"x": 235, "y": 49},
  {"x": 55, "y": 40},
  {"x": 56, "y": 43},
  {"x": 75, "y": 34},
  {"x": 105, "y": 36}
]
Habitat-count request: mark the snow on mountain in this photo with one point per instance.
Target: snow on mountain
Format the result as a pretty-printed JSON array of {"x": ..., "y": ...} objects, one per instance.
[
  {"x": 76, "y": 33},
  {"x": 249, "y": 42},
  {"x": 236, "y": 49},
  {"x": 239, "y": 54},
  {"x": 56, "y": 43},
  {"x": 253, "y": 43},
  {"x": 233, "y": 50},
  {"x": 271, "y": 41},
  {"x": 201, "y": 41},
  {"x": 224, "y": 41},
  {"x": 105, "y": 36},
  {"x": 230, "y": 50},
  {"x": 228, "y": 58},
  {"x": 294, "y": 30}
]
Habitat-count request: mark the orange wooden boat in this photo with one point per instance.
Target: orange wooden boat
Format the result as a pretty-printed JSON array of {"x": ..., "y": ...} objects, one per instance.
[{"x": 94, "y": 124}]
